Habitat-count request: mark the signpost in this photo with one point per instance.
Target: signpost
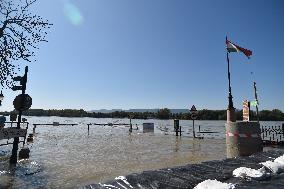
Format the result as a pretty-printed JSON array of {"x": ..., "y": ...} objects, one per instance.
[
  {"x": 131, "y": 116},
  {"x": 193, "y": 112},
  {"x": 21, "y": 103}
]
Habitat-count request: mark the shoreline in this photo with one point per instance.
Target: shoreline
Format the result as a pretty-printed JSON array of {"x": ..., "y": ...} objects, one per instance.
[{"x": 188, "y": 176}]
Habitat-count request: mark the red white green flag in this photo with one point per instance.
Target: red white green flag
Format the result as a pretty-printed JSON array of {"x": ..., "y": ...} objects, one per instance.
[{"x": 231, "y": 47}]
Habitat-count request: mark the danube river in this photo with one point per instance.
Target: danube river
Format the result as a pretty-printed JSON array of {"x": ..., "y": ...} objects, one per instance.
[{"x": 67, "y": 157}]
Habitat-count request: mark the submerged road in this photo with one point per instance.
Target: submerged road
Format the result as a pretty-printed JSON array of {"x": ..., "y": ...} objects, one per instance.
[{"x": 189, "y": 176}]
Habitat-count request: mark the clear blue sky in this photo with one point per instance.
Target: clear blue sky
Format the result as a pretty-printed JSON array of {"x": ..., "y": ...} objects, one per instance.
[{"x": 156, "y": 53}]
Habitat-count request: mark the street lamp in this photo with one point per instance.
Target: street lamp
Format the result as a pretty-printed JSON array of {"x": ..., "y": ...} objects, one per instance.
[{"x": 1, "y": 98}]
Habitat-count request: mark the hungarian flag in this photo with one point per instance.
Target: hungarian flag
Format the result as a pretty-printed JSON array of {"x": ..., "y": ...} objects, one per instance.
[{"x": 231, "y": 47}]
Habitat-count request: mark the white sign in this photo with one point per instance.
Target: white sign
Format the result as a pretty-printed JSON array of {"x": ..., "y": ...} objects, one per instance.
[
  {"x": 7, "y": 133},
  {"x": 246, "y": 110}
]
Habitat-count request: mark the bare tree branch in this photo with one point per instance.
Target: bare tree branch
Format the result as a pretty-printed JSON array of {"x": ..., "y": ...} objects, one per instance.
[{"x": 20, "y": 34}]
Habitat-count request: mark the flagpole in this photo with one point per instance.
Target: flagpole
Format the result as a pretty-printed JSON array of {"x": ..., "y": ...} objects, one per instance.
[
  {"x": 231, "y": 109},
  {"x": 230, "y": 106}
]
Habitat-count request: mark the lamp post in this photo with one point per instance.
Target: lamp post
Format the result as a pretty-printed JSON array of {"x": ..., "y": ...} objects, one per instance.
[{"x": 1, "y": 98}]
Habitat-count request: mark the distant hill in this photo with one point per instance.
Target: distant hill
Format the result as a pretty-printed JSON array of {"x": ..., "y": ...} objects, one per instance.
[
  {"x": 105, "y": 110},
  {"x": 140, "y": 110}
]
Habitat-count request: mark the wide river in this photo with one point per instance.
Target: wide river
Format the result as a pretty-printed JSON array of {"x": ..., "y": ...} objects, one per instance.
[{"x": 67, "y": 157}]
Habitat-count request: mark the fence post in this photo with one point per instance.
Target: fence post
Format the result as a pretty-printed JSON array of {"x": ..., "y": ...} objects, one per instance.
[{"x": 283, "y": 129}]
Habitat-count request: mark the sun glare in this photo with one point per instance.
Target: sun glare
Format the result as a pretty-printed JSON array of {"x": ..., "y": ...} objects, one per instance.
[{"x": 73, "y": 14}]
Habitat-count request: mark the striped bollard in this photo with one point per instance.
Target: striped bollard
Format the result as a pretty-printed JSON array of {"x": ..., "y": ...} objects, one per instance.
[{"x": 243, "y": 138}]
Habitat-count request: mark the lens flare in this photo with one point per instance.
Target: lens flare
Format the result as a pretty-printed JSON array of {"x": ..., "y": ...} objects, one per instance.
[{"x": 73, "y": 14}]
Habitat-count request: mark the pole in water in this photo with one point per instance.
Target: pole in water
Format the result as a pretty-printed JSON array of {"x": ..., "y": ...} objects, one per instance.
[
  {"x": 130, "y": 124},
  {"x": 176, "y": 126},
  {"x": 23, "y": 82},
  {"x": 193, "y": 128},
  {"x": 34, "y": 129},
  {"x": 255, "y": 96}
]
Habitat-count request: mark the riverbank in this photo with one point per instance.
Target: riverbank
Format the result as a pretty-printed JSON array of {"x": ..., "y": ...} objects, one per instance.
[{"x": 191, "y": 175}]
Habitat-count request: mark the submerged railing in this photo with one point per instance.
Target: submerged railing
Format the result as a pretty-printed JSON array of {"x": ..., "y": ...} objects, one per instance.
[
  {"x": 273, "y": 135},
  {"x": 10, "y": 131}
]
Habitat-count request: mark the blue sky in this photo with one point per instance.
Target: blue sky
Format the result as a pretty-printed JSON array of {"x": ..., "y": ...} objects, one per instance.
[{"x": 156, "y": 53}]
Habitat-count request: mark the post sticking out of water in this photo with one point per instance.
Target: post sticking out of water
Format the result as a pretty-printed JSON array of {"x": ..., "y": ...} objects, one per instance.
[
  {"x": 23, "y": 82},
  {"x": 255, "y": 96},
  {"x": 88, "y": 129},
  {"x": 193, "y": 129},
  {"x": 243, "y": 138},
  {"x": 193, "y": 112},
  {"x": 176, "y": 126},
  {"x": 130, "y": 124}
]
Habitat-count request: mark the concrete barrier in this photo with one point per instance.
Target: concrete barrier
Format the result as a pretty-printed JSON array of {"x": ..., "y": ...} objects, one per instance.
[{"x": 243, "y": 138}]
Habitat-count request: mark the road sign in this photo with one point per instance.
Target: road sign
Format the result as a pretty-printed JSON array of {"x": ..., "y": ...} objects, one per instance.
[
  {"x": 193, "y": 116},
  {"x": 18, "y": 78},
  {"x": 7, "y": 133},
  {"x": 193, "y": 109},
  {"x": 22, "y": 102},
  {"x": 17, "y": 88}
]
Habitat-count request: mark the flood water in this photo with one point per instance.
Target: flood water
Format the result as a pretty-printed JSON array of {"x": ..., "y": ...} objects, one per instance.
[{"x": 67, "y": 157}]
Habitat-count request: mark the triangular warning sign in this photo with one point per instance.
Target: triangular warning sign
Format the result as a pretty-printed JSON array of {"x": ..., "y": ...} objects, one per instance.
[{"x": 193, "y": 109}]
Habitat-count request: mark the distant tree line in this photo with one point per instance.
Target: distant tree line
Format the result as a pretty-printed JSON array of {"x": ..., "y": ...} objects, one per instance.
[{"x": 165, "y": 113}]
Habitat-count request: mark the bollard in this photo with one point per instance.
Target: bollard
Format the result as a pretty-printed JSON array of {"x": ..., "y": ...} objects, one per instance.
[
  {"x": 34, "y": 128},
  {"x": 88, "y": 129},
  {"x": 24, "y": 153},
  {"x": 130, "y": 126},
  {"x": 30, "y": 138},
  {"x": 243, "y": 138},
  {"x": 176, "y": 126}
]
